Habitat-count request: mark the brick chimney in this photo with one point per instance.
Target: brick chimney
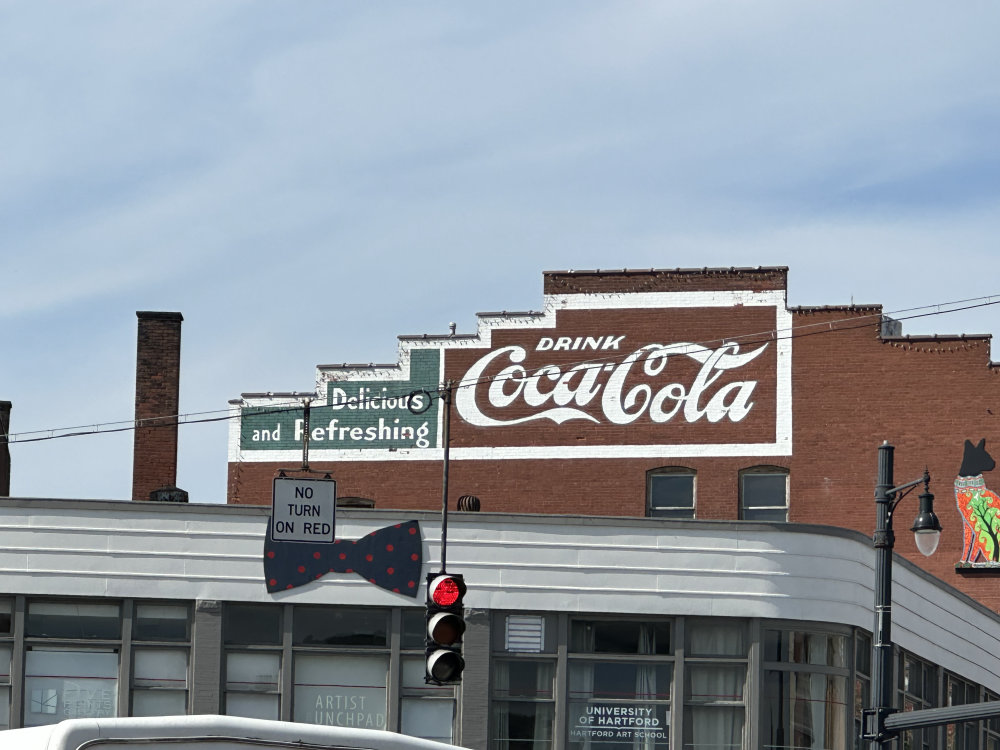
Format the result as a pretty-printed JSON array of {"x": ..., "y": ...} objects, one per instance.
[
  {"x": 157, "y": 397},
  {"x": 4, "y": 448}
]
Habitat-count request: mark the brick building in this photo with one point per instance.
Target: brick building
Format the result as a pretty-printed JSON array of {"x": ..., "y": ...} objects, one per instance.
[
  {"x": 693, "y": 394},
  {"x": 674, "y": 548}
]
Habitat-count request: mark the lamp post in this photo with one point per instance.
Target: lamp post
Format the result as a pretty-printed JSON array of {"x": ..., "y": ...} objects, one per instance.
[{"x": 927, "y": 532}]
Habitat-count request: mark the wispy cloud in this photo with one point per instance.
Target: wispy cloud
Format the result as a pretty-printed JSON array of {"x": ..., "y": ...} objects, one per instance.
[{"x": 306, "y": 181}]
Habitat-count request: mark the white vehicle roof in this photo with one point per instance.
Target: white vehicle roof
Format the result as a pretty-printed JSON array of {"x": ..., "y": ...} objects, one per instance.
[{"x": 204, "y": 732}]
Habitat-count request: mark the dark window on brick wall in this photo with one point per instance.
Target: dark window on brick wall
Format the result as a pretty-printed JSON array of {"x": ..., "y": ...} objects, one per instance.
[
  {"x": 764, "y": 494},
  {"x": 670, "y": 492}
]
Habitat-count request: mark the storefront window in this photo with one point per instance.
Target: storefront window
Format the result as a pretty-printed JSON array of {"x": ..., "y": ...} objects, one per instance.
[
  {"x": 253, "y": 678},
  {"x": 804, "y": 711},
  {"x": 252, "y": 624},
  {"x": 918, "y": 688},
  {"x": 715, "y": 684},
  {"x": 992, "y": 726},
  {"x": 5, "y": 652},
  {"x": 6, "y": 619},
  {"x": 6, "y": 622},
  {"x": 161, "y": 622},
  {"x": 619, "y": 704},
  {"x": 414, "y": 625},
  {"x": 963, "y": 736},
  {"x": 798, "y": 647},
  {"x": 341, "y": 690},
  {"x": 805, "y": 690},
  {"x": 159, "y": 682},
  {"x": 252, "y": 684},
  {"x": 620, "y": 637},
  {"x": 160, "y": 675},
  {"x": 66, "y": 683},
  {"x": 862, "y": 683},
  {"x": 427, "y": 711},
  {"x": 523, "y": 708},
  {"x": 340, "y": 627},
  {"x": 73, "y": 620},
  {"x": 616, "y": 702}
]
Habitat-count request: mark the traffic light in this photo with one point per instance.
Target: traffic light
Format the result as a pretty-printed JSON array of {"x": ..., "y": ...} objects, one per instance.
[{"x": 444, "y": 625}]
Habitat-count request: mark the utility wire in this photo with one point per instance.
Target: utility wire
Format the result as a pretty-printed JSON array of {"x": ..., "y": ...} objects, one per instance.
[{"x": 775, "y": 334}]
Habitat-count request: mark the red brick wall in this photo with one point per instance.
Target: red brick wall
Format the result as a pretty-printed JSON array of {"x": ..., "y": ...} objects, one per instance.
[
  {"x": 665, "y": 280},
  {"x": 157, "y": 391}
]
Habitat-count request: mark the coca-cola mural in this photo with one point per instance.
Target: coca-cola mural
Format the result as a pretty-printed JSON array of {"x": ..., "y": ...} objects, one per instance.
[
  {"x": 562, "y": 396},
  {"x": 657, "y": 374}
]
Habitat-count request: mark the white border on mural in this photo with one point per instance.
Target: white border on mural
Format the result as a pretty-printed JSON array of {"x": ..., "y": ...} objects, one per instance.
[{"x": 782, "y": 445}]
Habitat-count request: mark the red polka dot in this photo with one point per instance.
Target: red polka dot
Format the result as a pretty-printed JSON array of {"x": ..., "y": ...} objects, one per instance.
[
  {"x": 319, "y": 575},
  {"x": 372, "y": 534},
  {"x": 354, "y": 542},
  {"x": 270, "y": 554},
  {"x": 389, "y": 548},
  {"x": 398, "y": 525},
  {"x": 272, "y": 582},
  {"x": 413, "y": 530},
  {"x": 349, "y": 570},
  {"x": 302, "y": 568},
  {"x": 343, "y": 556},
  {"x": 395, "y": 591},
  {"x": 369, "y": 558},
  {"x": 390, "y": 571},
  {"x": 289, "y": 586},
  {"x": 410, "y": 585},
  {"x": 371, "y": 580},
  {"x": 316, "y": 555},
  {"x": 414, "y": 556},
  {"x": 336, "y": 541}
]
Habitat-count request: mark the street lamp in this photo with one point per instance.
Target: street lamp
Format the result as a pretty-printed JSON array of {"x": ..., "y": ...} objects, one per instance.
[{"x": 927, "y": 532}]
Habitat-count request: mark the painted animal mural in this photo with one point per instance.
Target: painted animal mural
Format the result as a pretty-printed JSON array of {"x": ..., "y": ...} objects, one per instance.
[{"x": 979, "y": 506}]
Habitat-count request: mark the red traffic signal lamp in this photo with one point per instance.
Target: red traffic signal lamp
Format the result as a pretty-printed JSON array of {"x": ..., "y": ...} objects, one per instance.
[{"x": 445, "y": 624}]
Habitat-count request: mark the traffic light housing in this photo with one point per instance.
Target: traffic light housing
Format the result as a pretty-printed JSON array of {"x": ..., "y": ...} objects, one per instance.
[{"x": 443, "y": 629}]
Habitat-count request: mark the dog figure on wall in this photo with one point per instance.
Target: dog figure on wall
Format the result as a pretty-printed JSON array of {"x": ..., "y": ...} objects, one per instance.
[{"x": 979, "y": 506}]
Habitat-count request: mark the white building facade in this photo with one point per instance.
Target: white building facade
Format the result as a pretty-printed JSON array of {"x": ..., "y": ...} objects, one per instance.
[{"x": 583, "y": 632}]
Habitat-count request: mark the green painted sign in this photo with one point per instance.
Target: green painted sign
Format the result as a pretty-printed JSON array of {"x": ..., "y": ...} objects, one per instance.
[{"x": 358, "y": 414}]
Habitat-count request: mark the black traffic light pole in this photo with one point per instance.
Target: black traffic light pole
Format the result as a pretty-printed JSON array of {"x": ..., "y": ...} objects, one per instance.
[
  {"x": 444, "y": 619},
  {"x": 444, "y": 393},
  {"x": 446, "y": 440}
]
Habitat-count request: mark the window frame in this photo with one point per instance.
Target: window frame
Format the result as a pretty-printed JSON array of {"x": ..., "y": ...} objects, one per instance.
[
  {"x": 693, "y": 660},
  {"x": 849, "y": 725},
  {"x": 672, "y": 471},
  {"x": 7, "y": 642},
  {"x": 137, "y": 642},
  {"x": 759, "y": 471}
]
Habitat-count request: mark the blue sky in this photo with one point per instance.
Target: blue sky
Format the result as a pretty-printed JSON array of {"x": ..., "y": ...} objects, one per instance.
[{"x": 304, "y": 181}]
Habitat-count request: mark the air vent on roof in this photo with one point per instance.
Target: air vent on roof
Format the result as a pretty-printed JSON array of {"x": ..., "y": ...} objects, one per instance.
[
  {"x": 891, "y": 327},
  {"x": 468, "y": 503},
  {"x": 355, "y": 502},
  {"x": 169, "y": 495}
]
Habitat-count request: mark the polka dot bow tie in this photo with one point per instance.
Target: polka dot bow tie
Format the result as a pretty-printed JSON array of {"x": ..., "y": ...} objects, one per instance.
[{"x": 388, "y": 557}]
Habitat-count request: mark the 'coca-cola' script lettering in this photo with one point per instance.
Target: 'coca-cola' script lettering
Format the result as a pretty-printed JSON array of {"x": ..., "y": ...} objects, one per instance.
[{"x": 620, "y": 402}]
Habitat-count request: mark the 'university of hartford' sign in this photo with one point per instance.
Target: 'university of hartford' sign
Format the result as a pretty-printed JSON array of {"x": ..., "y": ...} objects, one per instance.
[{"x": 592, "y": 376}]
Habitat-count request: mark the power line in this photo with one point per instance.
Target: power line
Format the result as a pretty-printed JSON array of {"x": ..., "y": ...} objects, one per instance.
[{"x": 775, "y": 334}]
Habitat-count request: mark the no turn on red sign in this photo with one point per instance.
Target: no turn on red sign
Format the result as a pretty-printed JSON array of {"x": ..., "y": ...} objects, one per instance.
[{"x": 303, "y": 510}]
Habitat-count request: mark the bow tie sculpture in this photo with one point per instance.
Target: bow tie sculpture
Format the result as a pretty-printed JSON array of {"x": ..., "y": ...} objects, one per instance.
[{"x": 388, "y": 557}]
